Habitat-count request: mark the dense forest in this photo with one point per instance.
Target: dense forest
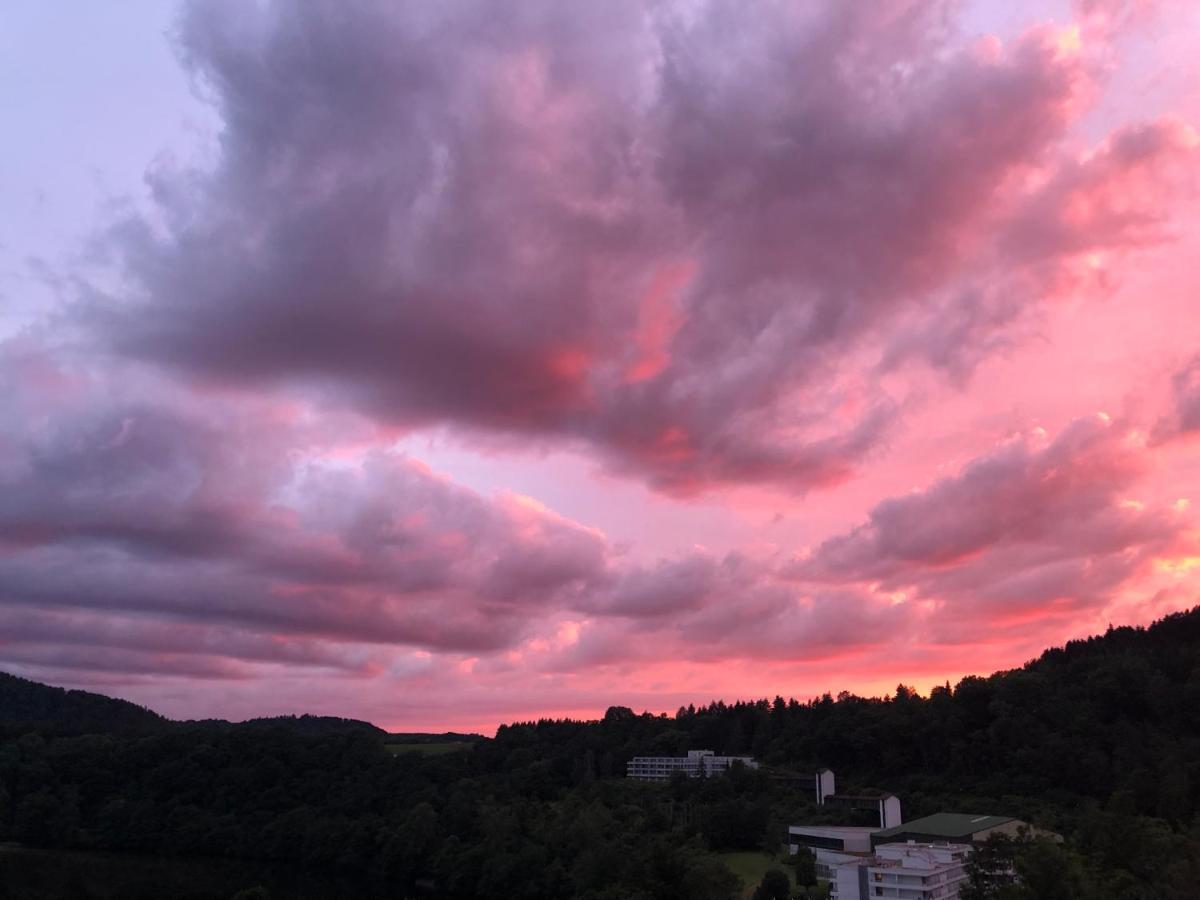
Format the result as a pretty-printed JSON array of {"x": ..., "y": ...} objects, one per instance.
[{"x": 1098, "y": 741}]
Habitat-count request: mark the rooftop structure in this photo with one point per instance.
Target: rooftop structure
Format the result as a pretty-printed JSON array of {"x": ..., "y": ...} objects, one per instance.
[
  {"x": 958, "y": 827},
  {"x": 696, "y": 764}
]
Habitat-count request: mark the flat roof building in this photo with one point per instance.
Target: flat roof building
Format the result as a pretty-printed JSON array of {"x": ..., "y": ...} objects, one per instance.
[
  {"x": 956, "y": 827},
  {"x": 696, "y": 764},
  {"x": 853, "y": 859}
]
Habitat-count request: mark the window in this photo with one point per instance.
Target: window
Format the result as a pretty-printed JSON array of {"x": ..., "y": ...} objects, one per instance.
[{"x": 815, "y": 840}]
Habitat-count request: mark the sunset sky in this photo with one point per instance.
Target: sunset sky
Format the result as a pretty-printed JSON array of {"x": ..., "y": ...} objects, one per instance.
[{"x": 446, "y": 364}]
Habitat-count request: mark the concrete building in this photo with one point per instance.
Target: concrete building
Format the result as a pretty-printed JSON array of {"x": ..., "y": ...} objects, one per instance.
[
  {"x": 828, "y": 862},
  {"x": 924, "y": 859},
  {"x": 913, "y": 871},
  {"x": 824, "y": 785},
  {"x": 831, "y": 845},
  {"x": 696, "y": 764}
]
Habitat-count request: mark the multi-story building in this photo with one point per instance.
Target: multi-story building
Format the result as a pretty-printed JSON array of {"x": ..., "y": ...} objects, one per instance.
[
  {"x": 924, "y": 859},
  {"x": 696, "y": 764},
  {"x": 910, "y": 871}
]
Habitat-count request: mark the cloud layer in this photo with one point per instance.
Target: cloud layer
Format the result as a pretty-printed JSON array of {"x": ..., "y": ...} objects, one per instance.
[
  {"x": 1037, "y": 526},
  {"x": 750, "y": 253}
]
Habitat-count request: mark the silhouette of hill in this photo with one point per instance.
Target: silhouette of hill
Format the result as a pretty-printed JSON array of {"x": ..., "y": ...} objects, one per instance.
[
  {"x": 31, "y": 706},
  {"x": 302, "y": 724},
  {"x": 27, "y": 705}
]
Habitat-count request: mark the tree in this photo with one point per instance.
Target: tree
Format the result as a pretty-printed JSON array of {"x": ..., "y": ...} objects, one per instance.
[
  {"x": 774, "y": 886},
  {"x": 990, "y": 867},
  {"x": 1004, "y": 868},
  {"x": 1049, "y": 872},
  {"x": 706, "y": 878},
  {"x": 619, "y": 714},
  {"x": 806, "y": 866}
]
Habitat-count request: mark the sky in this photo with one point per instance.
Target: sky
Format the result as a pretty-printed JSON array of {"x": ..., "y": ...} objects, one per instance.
[{"x": 446, "y": 365}]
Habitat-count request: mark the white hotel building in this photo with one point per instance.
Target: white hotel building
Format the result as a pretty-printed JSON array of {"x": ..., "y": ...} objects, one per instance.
[
  {"x": 911, "y": 871},
  {"x": 694, "y": 765}
]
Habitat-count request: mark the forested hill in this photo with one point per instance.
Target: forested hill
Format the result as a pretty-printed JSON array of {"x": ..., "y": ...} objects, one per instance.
[
  {"x": 305, "y": 724},
  {"x": 1098, "y": 740},
  {"x": 1117, "y": 712},
  {"x": 28, "y": 705}
]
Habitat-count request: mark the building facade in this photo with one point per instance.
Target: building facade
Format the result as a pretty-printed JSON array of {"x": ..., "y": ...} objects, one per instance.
[
  {"x": 910, "y": 871},
  {"x": 698, "y": 763},
  {"x": 830, "y": 837}
]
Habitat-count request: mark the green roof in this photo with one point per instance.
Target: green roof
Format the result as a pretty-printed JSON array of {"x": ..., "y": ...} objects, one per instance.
[{"x": 944, "y": 825}]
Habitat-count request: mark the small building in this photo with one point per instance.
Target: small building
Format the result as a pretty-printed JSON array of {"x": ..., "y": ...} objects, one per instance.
[
  {"x": 950, "y": 827},
  {"x": 696, "y": 764},
  {"x": 915, "y": 871}
]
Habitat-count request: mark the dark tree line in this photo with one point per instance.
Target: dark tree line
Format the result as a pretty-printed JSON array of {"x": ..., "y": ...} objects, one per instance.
[{"x": 1098, "y": 741}]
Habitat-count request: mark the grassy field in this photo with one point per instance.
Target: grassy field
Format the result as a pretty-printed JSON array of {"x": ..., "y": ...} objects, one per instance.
[
  {"x": 429, "y": 749},
  {"x": 750, "y": 867}
]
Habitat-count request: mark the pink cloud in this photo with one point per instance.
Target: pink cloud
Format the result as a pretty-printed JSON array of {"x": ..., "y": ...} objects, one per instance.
[
  {"x": 1035, "y": 529},
  {"x": 1183, "y": 418},
  {"x": 793, "y": 270}
]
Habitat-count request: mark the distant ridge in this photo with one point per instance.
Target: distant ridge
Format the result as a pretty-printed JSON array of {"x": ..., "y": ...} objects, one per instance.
[
  {"x": 29, "y": 705},
  {"x": 1096, "y": 741},
  {"x": 303, "y": 724}
]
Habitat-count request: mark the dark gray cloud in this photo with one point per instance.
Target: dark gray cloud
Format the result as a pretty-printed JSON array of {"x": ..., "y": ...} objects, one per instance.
[
  {"x": 665, "y": 234},
  {"x": 212, "y": 512}
]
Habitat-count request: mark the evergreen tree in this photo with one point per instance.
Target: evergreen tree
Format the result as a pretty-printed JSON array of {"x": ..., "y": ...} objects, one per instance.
[
  {"x": 774, "y": 886},
  {"x": 805, "y": 863}
]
